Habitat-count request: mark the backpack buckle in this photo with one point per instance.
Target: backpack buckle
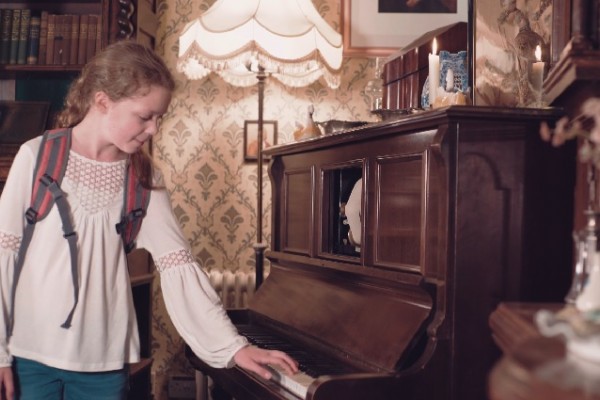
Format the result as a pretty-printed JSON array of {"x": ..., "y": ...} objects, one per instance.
[
  {"x": 31, "y": 216},
  {"x": 47, "y": 180},
  {"x": 137, "y": 213},
  {"x": 120, "y": 225}
]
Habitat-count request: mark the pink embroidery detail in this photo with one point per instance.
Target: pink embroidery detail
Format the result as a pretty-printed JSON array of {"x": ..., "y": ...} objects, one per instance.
[
  {"x": 9, "y": 241},
  {"x": 174, "y": 259}
]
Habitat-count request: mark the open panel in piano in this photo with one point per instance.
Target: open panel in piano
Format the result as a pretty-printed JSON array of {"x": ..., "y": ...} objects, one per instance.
[{"x": 460, "y": 208}]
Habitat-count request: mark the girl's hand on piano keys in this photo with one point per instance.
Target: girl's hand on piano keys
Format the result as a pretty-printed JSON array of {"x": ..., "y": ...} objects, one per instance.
[{"x": 254, "y": 359}]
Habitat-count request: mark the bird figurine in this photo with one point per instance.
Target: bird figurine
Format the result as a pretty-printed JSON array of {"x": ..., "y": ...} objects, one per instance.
[{"x": 309, "y": 129}]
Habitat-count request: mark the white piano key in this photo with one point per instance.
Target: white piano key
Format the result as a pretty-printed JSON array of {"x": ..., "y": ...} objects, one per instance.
[{"x": 297, "y": 384}]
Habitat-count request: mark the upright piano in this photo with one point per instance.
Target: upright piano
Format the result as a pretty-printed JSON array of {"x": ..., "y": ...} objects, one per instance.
[{"x": 459, "y": 208}]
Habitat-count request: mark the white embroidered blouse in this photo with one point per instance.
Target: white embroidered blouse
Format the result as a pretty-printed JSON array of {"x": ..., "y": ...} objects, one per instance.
[{"x": 104, "y": 334}]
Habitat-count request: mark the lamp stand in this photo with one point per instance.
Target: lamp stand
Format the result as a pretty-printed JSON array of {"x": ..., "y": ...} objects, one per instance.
[{"x": 259, "y": 246}]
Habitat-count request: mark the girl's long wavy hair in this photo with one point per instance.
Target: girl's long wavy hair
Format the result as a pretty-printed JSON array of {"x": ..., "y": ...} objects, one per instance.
[{"x": 121, "y": 70}]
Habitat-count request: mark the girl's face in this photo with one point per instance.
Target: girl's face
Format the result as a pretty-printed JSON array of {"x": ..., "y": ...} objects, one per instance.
[{"x": 132, "y": 121}]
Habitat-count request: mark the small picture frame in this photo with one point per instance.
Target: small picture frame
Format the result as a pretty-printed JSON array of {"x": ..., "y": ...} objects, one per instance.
[{"x": 251, "y": 138}]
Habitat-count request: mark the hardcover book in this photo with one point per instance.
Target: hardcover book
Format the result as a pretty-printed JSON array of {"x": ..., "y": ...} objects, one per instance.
[
  {"x": 33, "y": 43},
  {"x": 91, "y": 42},
  {"x": 43, "y": 38},
  {"x": 74, "y": 39},
  {"x": 23, "y": 34},
  {"x": 83, "y": 37},
  {"x": 14, "y": 36},
  {"x": 50, "y": 39},
  {"x": 59, "y": 39},
  {"x": 5, "y": 30}
]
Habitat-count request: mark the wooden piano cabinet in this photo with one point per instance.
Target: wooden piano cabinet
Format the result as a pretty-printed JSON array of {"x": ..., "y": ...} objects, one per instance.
[
  {"x": 7, "y": 154},
  {"x": 535, "y": 367},
  {"x": 461, "y": 208},
  {"x": 141, "y": 275}
]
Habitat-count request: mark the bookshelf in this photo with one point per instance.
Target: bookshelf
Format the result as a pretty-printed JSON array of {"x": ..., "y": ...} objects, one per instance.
[{"x": 47, "y": 81}]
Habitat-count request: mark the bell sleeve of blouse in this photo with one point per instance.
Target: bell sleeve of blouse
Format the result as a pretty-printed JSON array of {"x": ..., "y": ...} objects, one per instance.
[
  {"x": 193, "y": 305},
  {"x": 13, "y": 203}
]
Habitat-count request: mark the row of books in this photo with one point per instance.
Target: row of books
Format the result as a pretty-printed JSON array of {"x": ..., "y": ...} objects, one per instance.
[{"x": 48, "y": 39}]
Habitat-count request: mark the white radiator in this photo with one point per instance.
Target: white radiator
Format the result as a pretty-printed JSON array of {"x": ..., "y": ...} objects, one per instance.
[{"x": 235, "y": 288}]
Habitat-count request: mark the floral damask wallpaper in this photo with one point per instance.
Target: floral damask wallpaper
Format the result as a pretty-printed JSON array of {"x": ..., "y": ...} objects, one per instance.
[{"x": 200, "y": 151}]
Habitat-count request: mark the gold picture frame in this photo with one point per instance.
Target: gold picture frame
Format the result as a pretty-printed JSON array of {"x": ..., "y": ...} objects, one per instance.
[
  {"x": 369, "y": 33},
  {"x": 251, "y": 138}
]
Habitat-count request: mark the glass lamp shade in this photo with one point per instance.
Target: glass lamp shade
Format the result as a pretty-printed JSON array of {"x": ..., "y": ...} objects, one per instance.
[{"x": 288, "y": 38}]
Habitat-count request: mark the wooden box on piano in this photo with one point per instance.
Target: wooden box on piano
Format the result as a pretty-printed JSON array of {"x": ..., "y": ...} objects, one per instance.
[
  {"x": 459, "y": 208},
  {"x": 404, "y": 74}
]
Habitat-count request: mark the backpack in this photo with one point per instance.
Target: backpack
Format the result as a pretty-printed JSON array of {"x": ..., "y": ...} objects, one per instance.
[{"x": 50, "y": 168}]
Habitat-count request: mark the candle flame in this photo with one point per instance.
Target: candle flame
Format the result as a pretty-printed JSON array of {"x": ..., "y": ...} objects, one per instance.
[
  {"x": 538, "y": 53},
  {"x": 434, "y": 47}
]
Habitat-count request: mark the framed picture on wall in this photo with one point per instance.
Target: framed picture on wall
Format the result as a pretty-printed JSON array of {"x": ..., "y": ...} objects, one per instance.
[
  {"x": 378, "y": 28},
  {"x": 505, "y": 41},
  {"x": 251, "y": 138}
]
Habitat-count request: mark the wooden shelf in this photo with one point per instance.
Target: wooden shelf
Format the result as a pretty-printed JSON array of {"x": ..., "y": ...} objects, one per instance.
[
  {"x": 140, "y": 366},
  {"x": 574, "y": 77},
  {"x": 40, "y": 68},
  {"x": 141, "y": 279}
]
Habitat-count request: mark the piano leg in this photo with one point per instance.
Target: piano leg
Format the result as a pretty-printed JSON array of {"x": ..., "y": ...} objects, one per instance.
[
  {"x": 217, "y": 393},
  {"x": 201, "y": 386}
]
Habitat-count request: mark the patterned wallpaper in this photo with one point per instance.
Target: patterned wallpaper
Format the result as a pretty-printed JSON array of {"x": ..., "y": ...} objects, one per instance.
[{"x": 200, "y": 152}]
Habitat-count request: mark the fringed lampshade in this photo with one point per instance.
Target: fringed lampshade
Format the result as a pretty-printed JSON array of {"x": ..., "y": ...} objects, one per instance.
[{"x": 288, "y": 38}]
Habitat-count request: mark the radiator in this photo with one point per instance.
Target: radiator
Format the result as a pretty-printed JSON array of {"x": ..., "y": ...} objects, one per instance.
[{"x": 234, "y": 288}]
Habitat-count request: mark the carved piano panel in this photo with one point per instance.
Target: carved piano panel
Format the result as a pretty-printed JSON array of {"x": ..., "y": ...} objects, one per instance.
[
  {"x": 461, "y": 208},
  {"x": 297, "y": 228},
  {"x": 399, "y": 196}
]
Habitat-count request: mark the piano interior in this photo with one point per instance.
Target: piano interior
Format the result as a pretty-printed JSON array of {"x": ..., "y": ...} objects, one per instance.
[{"x": 453, "y": 220}]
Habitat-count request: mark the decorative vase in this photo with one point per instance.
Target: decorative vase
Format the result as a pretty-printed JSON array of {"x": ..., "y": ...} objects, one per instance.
[
  {"x": 589, "y": 299},
  {"x": 457, "y": 63},
  {"x": 374, "y": 88},
  {"x": 586, "y": 247}
]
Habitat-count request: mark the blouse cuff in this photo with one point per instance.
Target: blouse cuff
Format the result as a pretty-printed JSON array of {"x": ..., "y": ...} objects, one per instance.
[{"x": 5, "y": 360}]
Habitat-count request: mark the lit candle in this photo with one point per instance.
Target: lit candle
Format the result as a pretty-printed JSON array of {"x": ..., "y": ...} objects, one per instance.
[
  {"x": 537, "y": 75},
  {"x": 434, "y": 73}
]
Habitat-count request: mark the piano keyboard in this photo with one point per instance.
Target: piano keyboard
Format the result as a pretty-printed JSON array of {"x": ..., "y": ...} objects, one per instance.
[{"x": 310, "y": 365}]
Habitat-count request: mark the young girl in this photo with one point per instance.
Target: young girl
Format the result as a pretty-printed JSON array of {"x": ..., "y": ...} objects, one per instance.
[{"x": 112, "y": 109}]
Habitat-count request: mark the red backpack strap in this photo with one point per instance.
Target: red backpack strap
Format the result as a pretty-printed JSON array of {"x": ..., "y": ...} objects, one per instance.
[
  {"x": 135, "y": 203},
  {"x": 50, "y": 166}
]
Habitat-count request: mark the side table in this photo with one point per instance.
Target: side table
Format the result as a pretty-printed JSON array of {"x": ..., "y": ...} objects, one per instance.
[{"x": 535, "y": 367}]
